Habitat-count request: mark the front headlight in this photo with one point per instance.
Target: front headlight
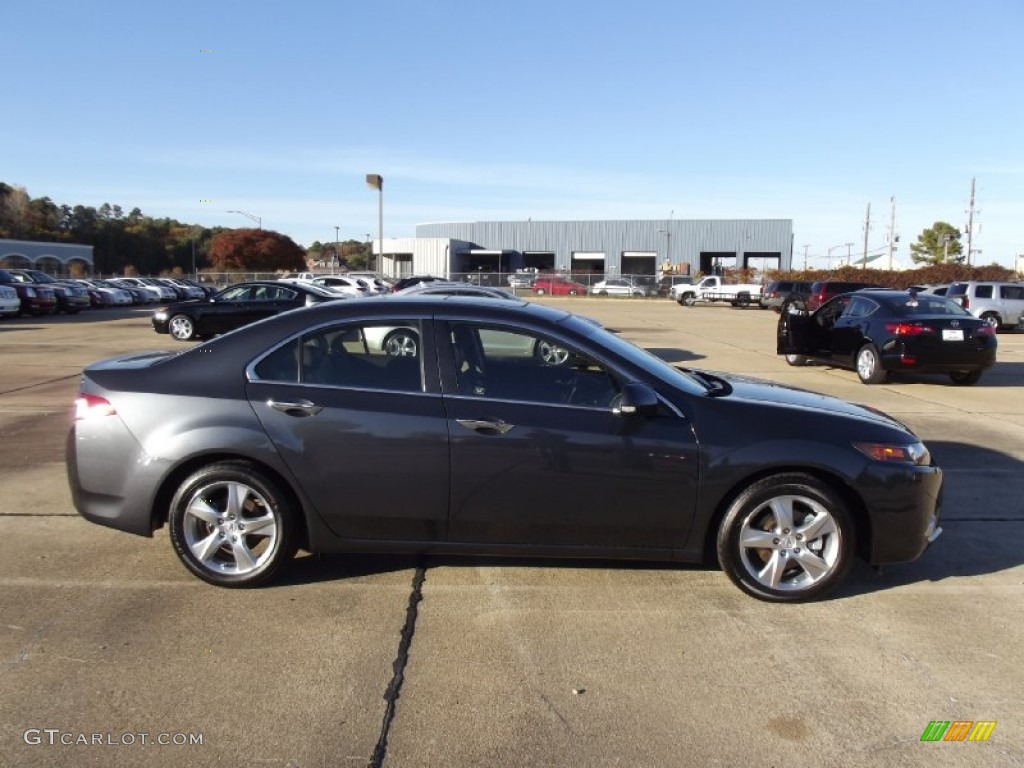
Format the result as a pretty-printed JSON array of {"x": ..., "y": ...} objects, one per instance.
[
  {"x": 912, "y": 453},
  {"x": 161, "y": 314}
]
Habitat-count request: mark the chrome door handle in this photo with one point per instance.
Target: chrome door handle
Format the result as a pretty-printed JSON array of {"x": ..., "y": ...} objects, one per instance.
[
  {"x": 297, "y": 408},
  {"x": 480, "y": 425}
]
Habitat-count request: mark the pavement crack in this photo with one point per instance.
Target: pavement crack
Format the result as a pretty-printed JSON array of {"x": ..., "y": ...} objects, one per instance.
[
  {"x": 40, "y": 384},
  {"x": 394, "y": 689}
]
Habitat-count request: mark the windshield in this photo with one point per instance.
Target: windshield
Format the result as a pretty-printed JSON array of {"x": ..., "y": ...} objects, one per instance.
[{"x": 633, "y": 354}]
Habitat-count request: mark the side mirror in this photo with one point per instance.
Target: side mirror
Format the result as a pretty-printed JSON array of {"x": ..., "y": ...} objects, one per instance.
[{"x": 636, "y": 399}]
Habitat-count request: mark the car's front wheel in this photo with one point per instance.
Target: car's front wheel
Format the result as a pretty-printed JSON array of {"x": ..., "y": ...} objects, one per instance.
[
  {"x": 182, "y": 327},
  {"x": 539, "y": 291},
  {"x": 796, "y": 360},
  {"x": 869, "y": 365},
  {"x": 786, "y": 538},
  {"x": 231, "y": 526}
]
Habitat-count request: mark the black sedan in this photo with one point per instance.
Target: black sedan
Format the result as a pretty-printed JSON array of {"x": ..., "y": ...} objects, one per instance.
[
  {"x": 305, "y": 434},
  {"x": 877, "y": 332},
  {"x": 235, "y": 306}
]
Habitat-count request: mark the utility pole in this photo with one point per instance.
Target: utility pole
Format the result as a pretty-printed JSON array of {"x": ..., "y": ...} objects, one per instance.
[
  {"x": 867, "y": 227},
  {"x": 805, "y": 256},
  {"x": 892, "y": 230},
  {"x": 970, "y": 224}
]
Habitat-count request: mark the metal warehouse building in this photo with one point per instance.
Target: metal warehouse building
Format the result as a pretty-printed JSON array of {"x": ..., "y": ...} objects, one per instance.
[{"x": 600, "y": 247}]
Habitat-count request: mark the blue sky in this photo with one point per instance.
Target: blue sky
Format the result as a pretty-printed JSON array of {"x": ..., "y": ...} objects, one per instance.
[{"x": 556, "y": 110}]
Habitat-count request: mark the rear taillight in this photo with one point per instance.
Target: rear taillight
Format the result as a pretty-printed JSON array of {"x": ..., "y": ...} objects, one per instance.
[
  {"x": 909, "y": 329},
  {"x": 92, "y": 407},
  {"x": 985, "y": 330}
]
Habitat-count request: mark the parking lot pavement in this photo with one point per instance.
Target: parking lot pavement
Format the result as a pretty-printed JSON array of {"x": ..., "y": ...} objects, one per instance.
[{"x": 513, "y": 663}]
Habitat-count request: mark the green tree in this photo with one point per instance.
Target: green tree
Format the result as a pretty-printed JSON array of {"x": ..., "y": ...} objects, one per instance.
[
  {"x": 254, "y": 250},
  {"x": 939, "y": 244}
]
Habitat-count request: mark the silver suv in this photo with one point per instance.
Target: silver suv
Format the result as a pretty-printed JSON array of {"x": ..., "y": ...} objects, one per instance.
[{"x": 999, "y": 304}]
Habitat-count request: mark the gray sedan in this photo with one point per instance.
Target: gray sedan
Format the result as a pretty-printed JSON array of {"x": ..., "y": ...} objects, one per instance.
[{"x": 240, "y": 445}]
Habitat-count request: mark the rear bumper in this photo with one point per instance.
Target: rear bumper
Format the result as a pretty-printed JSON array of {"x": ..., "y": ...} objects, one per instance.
[{"x": 101, "y": 490}]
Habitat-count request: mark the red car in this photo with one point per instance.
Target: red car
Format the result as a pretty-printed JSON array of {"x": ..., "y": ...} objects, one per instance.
[{"x": 558, "y": 285}]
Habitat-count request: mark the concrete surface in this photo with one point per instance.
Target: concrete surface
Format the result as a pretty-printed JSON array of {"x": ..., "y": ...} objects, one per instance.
[{"x": 510, "y": 663}]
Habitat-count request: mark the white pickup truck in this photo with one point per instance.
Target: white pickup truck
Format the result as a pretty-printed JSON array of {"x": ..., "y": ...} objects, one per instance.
[{"x": 715, "y": 288}]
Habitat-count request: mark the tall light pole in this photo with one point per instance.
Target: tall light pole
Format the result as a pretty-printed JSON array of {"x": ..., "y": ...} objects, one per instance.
[
  {"x": 257, "y": 219},
  {"x": 369, "y": 248},
  {"x": 334, "y": 262},
  {"x": 376, "y": 181},
  {"x": 805, "y": 256}
]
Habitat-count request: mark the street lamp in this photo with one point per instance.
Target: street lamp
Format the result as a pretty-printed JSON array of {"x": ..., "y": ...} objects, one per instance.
[
  {"x": 334, "y": 261},
  {"x": 369, "y": 249},
  {"x": 376, "y": 181},
  {"x": 257, "y": 219},
  {"x": 668, "y": 244}
]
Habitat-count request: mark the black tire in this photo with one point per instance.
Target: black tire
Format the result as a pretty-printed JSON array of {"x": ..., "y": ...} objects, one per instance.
[
  {"x": 796, "y": 360},
  {"x": 869, "y": 365},
  {"x": 573, "y": 292},
  {"x": 787, "y": 561},
  {"x": 539, "y": 291},
  {"x": 402, "y": 343},
  {"x": 689, "y": 299},
  {"x": 743, "y": 300},
  {"x": 965, "y": 378},
  {"x": 182, "y": 328},
  {"x": 232, "y": 526}
]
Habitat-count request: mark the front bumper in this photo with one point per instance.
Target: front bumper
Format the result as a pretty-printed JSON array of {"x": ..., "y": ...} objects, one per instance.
[{"x": 904, "y": 505}]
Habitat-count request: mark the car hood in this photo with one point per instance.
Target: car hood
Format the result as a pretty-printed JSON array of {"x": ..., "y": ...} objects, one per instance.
[{"x": 769, "y": 392}]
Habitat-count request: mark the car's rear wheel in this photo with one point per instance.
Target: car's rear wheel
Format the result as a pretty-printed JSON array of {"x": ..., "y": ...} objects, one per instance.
[
  {"x": 787, "y": 538},
  {"x": 539, "y": 291},
  {"x": 965, "y": 378},
  {"x": 796, "y": 360},
  {"x": 231, "y": 526},
  {"x": 573, "y": 292},
  {"x": 182, "y": 327},
  {"x": 402, "y": 343},
  {"x": 552, "y": 354},
  {"x": 993, "y": 319},
  {"x": 869, "y": 365}
]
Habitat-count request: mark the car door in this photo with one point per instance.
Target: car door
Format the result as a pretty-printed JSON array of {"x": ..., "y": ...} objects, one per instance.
[
  {"x": 540, "y": 457},
  {"x": 365, "y": 434},
  {"x": 226, "y": 311},
  {"x": 851, "y": 327}
]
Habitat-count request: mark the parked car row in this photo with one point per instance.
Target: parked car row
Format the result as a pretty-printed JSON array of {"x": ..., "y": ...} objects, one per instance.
[{"x": 33, "y": 292}]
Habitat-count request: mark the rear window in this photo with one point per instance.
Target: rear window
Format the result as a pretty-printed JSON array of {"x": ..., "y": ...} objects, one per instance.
[
  {"x": 957, "y": 289},
  {"x": 1011, "y": 291}
]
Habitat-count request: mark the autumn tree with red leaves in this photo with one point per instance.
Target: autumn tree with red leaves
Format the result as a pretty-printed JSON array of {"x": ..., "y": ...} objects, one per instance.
[{"x": 254, "y": 250}]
